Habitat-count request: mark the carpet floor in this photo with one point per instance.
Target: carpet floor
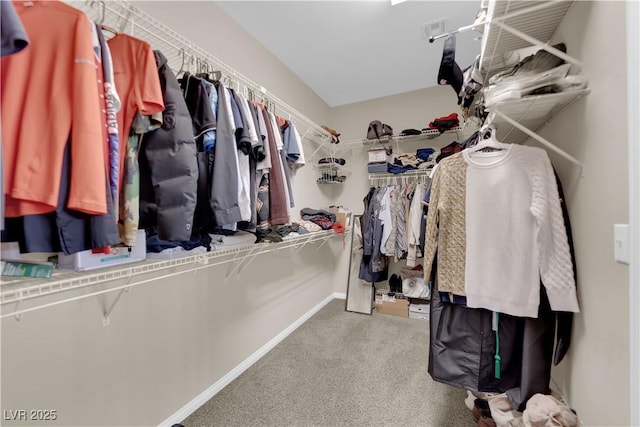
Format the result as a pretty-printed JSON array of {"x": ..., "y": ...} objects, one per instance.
[{"x": 340, "y": 369}]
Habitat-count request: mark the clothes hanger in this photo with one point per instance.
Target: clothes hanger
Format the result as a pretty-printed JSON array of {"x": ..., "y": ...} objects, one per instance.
[
  {"x": 102, "y": 9},
  {"x": 488, "y": 141},
  {"x": 182, "y": 54}
]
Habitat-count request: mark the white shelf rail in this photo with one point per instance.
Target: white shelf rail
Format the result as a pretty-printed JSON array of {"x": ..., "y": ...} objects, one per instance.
[
  {"x": 17, "y": 292},
  {"x": 419, "y": 175},
  {"x": 424, "y": 134},
  {"x": 126, "y": 18}
]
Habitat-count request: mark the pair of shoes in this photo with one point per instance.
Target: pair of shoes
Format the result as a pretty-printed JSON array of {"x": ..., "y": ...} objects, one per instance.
[
  {"x": 482, "y": 413},
  {"x": 334, "y": 133},
  {"x": 395, "y": 284}
]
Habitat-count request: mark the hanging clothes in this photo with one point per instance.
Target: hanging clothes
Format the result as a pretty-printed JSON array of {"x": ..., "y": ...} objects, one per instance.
[
  {"x": 130, "y": 209},
  {"x": 247, "y": 160},
  {"x": 203, "y": 119},
  {"x": 33, "y": 148},
  {"x": 463, "y": 344},
  {"x": 374, "y": 267},
  {"x": 497, "y": 223},
  {"x": 137, "y": 81},
  {"x": 66, "y": 229},
  {"x": 414, "y": 225},
  {"x": 168, "y": 164},
  {"x": 13, "y": 39},
  {"x": 244, "y": 144},
  {"x": 278, "y": 207},
  {"x": 224, "y": 179}
]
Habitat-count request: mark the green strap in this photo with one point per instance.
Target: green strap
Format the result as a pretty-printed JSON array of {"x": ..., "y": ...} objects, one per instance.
[{"x": 496, "y": 320}]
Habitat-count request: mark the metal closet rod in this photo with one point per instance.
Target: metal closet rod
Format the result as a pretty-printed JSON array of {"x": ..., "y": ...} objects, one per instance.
[{"x": 160, "y": 31}]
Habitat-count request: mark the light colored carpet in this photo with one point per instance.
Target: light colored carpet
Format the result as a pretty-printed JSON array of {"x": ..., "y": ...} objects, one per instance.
[{"x": 341, "y": 369}]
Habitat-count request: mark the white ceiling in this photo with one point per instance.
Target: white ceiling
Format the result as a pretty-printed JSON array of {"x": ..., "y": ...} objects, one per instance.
[{"x": 352, "y": 51}]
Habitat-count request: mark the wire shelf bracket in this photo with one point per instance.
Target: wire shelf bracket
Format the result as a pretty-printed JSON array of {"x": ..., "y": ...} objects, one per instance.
[{"x": 537, "y": 137}]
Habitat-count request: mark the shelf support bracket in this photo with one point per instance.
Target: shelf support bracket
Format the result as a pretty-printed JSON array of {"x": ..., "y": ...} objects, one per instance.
[
  {"x": 106, "y": 319},
  {"x": 239, "y": 260},
  {"x": 17, "y": 316},
  {"x": 537, "y": 137},
  {"x": 299, "y": 248},
  {"x": 324, "y": 242},
  {"x": 248, "y": 259}
]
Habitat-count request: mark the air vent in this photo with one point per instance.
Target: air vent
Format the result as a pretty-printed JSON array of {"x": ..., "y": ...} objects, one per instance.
[{"x": 434, "y": 28}]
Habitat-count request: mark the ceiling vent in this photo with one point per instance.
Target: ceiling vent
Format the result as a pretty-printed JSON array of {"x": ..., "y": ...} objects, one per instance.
[{"x": 434, "y": 28}]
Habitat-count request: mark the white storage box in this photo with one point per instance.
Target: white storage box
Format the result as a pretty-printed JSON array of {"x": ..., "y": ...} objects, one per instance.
[
  {"x": 419, "y": 316},
  {"x": 377, "y": 155},
  {"x": 419, "y": 311},
  {"x": 85, "y": 260}
]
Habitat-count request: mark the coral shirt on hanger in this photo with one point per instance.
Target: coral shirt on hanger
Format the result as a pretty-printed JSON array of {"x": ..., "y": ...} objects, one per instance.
[
  {"x": 137, "y": 83},
  {"x": 50, "y": 99}
]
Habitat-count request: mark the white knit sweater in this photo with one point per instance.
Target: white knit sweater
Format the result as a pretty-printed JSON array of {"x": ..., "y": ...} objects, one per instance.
[{"x": 513, "y": 231}]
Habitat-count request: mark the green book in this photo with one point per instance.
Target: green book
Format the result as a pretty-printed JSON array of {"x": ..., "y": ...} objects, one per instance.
[{"x": 26, "y": 268}]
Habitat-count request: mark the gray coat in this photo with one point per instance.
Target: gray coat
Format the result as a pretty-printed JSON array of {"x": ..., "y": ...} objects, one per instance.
[{"x": 168, "y": 165}]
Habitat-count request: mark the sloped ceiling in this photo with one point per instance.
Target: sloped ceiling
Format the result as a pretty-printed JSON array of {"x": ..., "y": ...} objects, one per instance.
[{"x": 352, "y": 51}]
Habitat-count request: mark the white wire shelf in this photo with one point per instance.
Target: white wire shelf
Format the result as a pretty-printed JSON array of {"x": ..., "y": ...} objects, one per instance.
[
  {"x": 538, "y": 20},
  {"x": 531, "y": 112},
  {"x": 512, "y": 25},
  {"x": 126, "y": 18},
  {"x": 418, "y": 175},
  {"x": 424, "y": 135},
  {"x": 19, "y": 290}
]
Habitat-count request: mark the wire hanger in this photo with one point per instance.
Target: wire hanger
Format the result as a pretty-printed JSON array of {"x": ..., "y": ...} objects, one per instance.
[
  {"x": 182, "y": 54},
  {"x": 102, "y": 12}
]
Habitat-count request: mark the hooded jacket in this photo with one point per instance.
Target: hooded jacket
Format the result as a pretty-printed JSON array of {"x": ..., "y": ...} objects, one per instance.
[{"x": 168, "y": 165}]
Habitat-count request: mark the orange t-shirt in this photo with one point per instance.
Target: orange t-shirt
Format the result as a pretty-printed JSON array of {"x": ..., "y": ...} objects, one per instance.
[
  {"x": 49, "y": 94},
  {"x": 136, "y": 76}
]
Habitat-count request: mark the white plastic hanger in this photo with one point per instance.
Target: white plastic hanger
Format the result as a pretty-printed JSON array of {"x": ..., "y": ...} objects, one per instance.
[{"x": 488, "y": 141}]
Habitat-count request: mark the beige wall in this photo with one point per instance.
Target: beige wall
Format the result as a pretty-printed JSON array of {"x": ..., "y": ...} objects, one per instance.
[
  {"x": 595, "y": 376},
  {"x": 168, "y": 340},
  {"x": 172, "y": 339}
]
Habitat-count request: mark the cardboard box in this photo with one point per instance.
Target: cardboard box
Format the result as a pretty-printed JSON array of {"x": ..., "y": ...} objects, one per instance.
[
  {"x": 391, "y": 305},
  {"x": 85, "y": 260}
]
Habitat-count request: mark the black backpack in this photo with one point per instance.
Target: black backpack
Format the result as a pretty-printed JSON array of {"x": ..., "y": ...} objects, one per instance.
[{"x": 378, "y": 130}]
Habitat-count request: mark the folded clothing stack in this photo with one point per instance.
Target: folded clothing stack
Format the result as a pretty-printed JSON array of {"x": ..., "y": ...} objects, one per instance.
[
  {"x": 445, "y": 123},
  {"x": 318, "y": 216},
  {"x": 235, "y": 240}
]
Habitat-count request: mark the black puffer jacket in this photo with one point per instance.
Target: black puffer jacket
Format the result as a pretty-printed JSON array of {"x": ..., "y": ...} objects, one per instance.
[{"x": 168, "y": 165}]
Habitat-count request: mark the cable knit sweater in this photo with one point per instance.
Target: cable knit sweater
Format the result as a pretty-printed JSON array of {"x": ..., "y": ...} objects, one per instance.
[{"x": 496, "y": 222}]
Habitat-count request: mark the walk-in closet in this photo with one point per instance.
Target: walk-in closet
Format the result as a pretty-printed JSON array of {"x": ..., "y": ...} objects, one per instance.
[{"x": 345, "y": 213}]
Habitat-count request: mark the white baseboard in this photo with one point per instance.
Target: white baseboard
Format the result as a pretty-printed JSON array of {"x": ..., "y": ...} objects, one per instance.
[{"x": 203, "y": 397}]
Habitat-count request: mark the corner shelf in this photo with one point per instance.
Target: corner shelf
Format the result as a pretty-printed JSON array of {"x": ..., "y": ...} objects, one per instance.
[
  {"x": 533, "y": 112},
  {"x": 512, "y": 25}
]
